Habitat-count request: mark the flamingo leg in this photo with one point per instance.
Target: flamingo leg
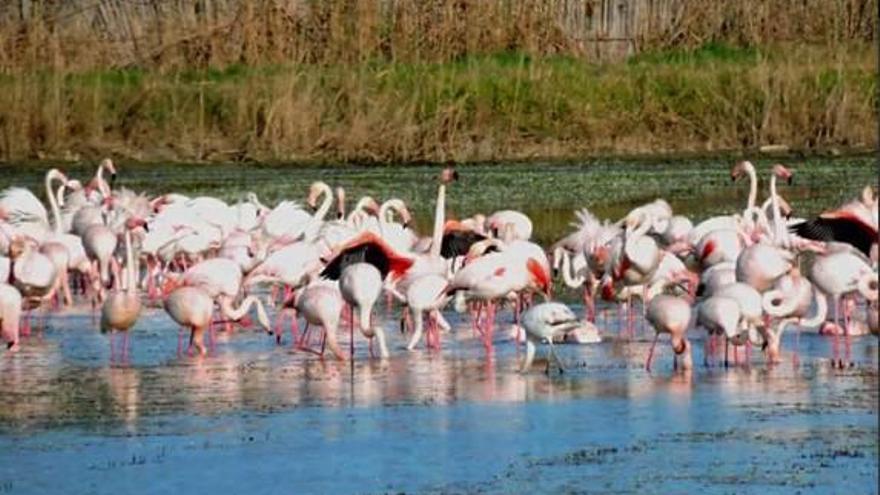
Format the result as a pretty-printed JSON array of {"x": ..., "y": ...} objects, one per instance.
[
  {"x": 651, "y": 352},
  {"x": 726, "y": 349},
  {"x": 279, "y": 320},
  {"x": 836, "y": 343},
  {"x": 351, "y": 332},
  {"x": 706, "y": 350},
  {"x": 294, "y": 327},
  {"x": 847, "y": 332}
]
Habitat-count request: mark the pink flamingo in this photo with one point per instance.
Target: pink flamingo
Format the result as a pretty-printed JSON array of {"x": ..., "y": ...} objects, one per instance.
[
  {"x": 543, "y": 323},
  {"x": 10, "y": 315},
  {"x": 122, "y": 307},
  {"x": 672, "y": 315},
  {"x": 192, "y": 307}
]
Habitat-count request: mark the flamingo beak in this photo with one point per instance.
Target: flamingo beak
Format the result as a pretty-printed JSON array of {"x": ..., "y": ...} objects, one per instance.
[{"x": 112, "y": 178}]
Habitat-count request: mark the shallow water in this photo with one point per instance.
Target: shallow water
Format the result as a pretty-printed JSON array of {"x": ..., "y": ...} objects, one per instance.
[
  {"x": 261, "y": 418},
  {"x": 254, "y": 417}
]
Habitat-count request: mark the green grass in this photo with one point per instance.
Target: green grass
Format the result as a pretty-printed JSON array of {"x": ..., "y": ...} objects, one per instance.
[{"x": 501, "y": 106}]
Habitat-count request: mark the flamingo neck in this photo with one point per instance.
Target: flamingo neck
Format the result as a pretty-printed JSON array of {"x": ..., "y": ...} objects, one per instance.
[
  {"x": 388, "y": 207},
  {"x": 778, "y": 231},
  {"x": 439, "y": 221},
  {"x": 753, "y": 186},
  {"x": 50, "y": 195},
  {"x": 821, "y": 310},
  {"x": 131, "y": 279},
  {"x": 571, "y": 280},
  {"x": 359, "y": 212},
  {"x": 327, "y": 194}
]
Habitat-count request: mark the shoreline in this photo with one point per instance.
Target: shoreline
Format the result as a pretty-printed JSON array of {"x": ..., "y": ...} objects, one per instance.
[{"x": 587, "y": 159}]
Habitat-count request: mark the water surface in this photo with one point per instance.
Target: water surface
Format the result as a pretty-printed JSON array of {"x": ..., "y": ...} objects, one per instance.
[{"x": 254, "y": 417}]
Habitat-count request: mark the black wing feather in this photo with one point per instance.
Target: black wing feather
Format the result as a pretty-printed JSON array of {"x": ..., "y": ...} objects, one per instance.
[
  {"x": 846, "y": 230},
  {"x": 363, "y": 253},
  {"x": 458, "y": 242}
]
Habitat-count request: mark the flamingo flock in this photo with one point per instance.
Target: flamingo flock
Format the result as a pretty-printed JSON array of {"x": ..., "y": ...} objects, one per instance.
[{"x": 743, "y": 278}]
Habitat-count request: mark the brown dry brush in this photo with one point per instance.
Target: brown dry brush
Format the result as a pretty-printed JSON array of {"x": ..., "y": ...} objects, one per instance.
[{"x": 403, "y": 80}]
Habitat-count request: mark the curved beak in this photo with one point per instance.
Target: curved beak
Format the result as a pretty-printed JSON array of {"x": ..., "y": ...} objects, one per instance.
[{"x": 112, "y": 178}]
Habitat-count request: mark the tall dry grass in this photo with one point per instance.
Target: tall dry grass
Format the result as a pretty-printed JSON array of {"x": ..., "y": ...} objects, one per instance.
[{"x": 444, "y": 79}]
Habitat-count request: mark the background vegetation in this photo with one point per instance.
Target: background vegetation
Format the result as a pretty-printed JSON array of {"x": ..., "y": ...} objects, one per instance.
[{"x": 392, "y": 80}]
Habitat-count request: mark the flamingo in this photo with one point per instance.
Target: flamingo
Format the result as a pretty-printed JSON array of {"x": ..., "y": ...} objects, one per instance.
[
  {"x": 522, "y": 224},
  {"x": 672, "y": 315},
  {"x": 10, "y": 315},
  {"x": 427, "y": 293},
  {"x": 320, "y": 303},
  {"x": 719, "y": 316},
  {"x": 122, "y": 307},
  {"x": 838, "y": 274},
  {"x": 192, "y": 307},
  {"x": 543, "y": 323},
  {"x": 854, "y": 223},
  {"x": 360, "y": 285},
  {"x": 520, "y": 266}
]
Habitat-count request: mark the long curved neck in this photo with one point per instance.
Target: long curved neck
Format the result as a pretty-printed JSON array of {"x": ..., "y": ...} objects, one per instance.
[
  {"x": 642, "y": 229},
  {"x": 753, "y": 186},
  {"x": 59, "y": 195},
  {"x": 50, "y": 194},
  {"x": 237, "y": 313},
  {"x": 131, "y": 282},
  {"x": 571, "y": 280},
  {"x": 390, "y": 205},
  {"x": 439, "y": 221},
  {"x": 778, "y": 232},
  {"x": 327, "y": 194},
  {"x": 821, "y": 310}
]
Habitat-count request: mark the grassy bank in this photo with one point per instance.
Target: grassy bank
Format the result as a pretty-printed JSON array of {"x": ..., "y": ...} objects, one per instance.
[{"x": 505, "y": 106}]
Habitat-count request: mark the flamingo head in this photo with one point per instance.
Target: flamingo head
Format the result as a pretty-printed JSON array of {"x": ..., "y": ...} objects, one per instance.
[
  {"x": 679, "y": 344},
  {"x": 540, "y": 275},
  {"x": 135, "y": 222},
  {"x": 783, "y": 172},
  {"x": 740, "y": 168},
  {"x": 314, "y": 194},
  {"x": 170, "y": 284},
  {"x": 448, "y": 175},
  {"x": 340, "y": 203},
  {"x": 107, "y": 164},
  {"x": 159, "y": 203},
  {"x": 405, "y": 217},
  {"x": 17, "y": 247},
  {"x": 74, "y": 185}
]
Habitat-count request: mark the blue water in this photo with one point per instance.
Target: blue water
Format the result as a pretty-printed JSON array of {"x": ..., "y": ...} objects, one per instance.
[{"x": 254, "y": 417}]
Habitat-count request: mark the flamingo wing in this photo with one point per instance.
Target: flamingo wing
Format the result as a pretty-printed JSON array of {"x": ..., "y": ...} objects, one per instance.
[
  {"x": 367, "y": 248},
  {"x": 842, "y": 229},
  {"x": 458, "y": 242}
]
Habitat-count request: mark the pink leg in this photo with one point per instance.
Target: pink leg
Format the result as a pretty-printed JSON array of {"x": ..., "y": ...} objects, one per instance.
[
  {"x": 651, "y": 352},
  {"x": 847, "y": 331},
  {"x": 475, "y": 319},
  {"x": 294, "y": 326},
  {"x": 351, "y": 332},
  {"x": 279, "y": 320},
  {"x": 490, "y": 324},
  {"x": 112, "y": 347},
  {"x": 836, "y": 343}
]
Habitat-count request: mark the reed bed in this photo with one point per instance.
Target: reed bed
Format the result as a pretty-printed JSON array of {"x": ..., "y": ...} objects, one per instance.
[{"x": 389, "y": 80}]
